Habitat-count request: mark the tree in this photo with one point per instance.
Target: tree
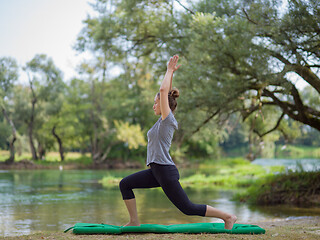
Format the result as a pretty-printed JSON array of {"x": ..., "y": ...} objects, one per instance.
[
  {"x": 119, "y": 97},
  {"x": 126, "y": 33},
  {"x": 8, "y": 76},
  {"x": 237, "y": 56},
  {"x": 45, "y": 81},
  {"x": 249, "y": 54},
  {"x": 54, "y": 116},
  {"x": 76, "y": 123}
]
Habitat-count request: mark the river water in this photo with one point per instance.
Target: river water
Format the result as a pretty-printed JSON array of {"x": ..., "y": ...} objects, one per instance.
[{"x": 53, "y": 200}]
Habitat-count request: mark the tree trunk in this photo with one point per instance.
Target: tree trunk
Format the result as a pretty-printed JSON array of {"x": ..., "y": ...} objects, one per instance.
[
  {"x": 14, "y": 137},
  {"x": 32, "y": 147},
  {"x": 95, "y": 152},
  {"x": 41, "y": 151},
  {"x": 61, "y": 151},
  {"x": 12, "y": 151},
  {"x": 30, "y": 131},
  {"x": 30, "y": 123}
]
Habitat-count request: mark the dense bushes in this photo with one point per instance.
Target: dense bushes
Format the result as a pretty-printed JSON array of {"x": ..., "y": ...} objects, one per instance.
[{"x": 302, "y": 188}]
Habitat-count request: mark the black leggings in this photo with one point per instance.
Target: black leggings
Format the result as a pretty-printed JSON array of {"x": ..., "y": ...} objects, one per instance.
[{"x": 167, "y": 177}]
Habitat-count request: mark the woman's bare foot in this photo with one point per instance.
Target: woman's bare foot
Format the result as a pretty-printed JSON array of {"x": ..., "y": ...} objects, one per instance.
[
  {"x": 136, "y": 224},
  {"x": 229, "y": 221}
]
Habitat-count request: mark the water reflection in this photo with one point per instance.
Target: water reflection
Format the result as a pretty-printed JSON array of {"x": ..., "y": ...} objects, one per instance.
[{"x": 32, "y": 201}]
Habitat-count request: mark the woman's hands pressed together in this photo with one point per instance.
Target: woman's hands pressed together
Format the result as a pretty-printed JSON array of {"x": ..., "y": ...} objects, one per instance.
[{"x": 172, "y": 65}]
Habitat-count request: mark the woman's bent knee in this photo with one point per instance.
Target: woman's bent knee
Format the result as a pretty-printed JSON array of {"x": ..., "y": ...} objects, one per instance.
[
  {"x": 194, "y": 210},
  {"x": 126, "y": 190},
  {"x": 123, "y": 184}
]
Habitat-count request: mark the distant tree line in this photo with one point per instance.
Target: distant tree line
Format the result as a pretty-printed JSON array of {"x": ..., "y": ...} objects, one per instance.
[{"x": 240, "y": 61}]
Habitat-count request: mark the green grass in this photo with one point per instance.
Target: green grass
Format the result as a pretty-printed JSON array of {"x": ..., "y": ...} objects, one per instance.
[
  {"x": 110, "y": 181},
  {"x": 228, "y": 173}
]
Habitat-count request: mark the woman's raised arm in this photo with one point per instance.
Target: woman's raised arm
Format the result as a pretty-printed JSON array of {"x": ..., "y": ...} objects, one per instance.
[{"x": 167, "y": 85}]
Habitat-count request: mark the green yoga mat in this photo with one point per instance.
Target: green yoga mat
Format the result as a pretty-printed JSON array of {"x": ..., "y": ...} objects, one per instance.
[{"x": 90, "y": 228}]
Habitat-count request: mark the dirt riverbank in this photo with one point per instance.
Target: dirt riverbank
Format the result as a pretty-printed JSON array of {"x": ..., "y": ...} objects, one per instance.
[{"x": 295, "y": 229}]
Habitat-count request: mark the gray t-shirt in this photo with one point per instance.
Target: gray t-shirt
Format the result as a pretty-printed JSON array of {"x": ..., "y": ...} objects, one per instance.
[{"x": 159, "y": 140}]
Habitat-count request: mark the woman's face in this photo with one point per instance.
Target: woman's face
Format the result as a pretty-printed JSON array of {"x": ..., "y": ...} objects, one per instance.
[{"x": 156, "y": 105}]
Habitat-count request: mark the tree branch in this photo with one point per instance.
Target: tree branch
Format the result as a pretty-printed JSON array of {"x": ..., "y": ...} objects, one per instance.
[
  {"x": 313, "y": 66},
  {"x": 298, "y": 102},
  {"x": 271, "y": 130},
  {"x": 279, "y": 57},
  {"x": 192, "y": 12},
  {"x": 303, "y": 71},
  {"x": 309, "y": 76},
  {"x": 247, "y": 112},
  {"x": 290, "y": 109},
  {"x": 206, "y": 121},
  {"x": 249, "y": 19}
]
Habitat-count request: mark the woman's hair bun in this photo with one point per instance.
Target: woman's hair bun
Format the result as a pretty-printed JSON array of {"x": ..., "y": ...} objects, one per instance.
[{"x": 174, "y": 93}]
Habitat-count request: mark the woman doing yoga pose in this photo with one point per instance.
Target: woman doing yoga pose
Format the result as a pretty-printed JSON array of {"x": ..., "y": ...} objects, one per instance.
[{"x": 163, "y": 172}]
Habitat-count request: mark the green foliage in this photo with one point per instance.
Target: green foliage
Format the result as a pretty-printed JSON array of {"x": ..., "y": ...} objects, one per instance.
[
  {"x": 110, "y": 181},
  {"x": 229, "y": 173},
  {"x": 297, "y": 152},
  {"x": 5, "y": 134},
  {"x": 46, "y": 85},
  {"x": 204, "y": 143},
  {"x": 238, "y": 61},
  {"x": 311, "y": 98},
  {"x": 293, "y": 187},
  {"x": 8, "y": 75},
  {"x": 179, "y": 154},
  {"x": 308, "y": 137},
  {"x": 131, "y": 135}
]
